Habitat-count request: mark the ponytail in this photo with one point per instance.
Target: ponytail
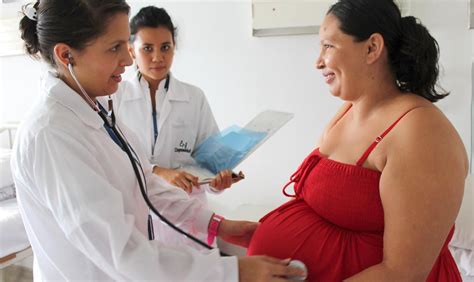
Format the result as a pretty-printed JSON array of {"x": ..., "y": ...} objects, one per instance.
[
  {"x": 72, "y": 22},
  {"x": 415, "y": 62},
  {"x": 28, "y": 30},
  {"x": 412, "y": 52}
]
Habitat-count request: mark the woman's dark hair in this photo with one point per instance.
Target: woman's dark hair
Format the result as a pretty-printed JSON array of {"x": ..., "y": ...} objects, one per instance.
[
  {"x": 151, "y": 16},
  {"x": 412, "y": 52},
  {"x": 72, "y": 22}
]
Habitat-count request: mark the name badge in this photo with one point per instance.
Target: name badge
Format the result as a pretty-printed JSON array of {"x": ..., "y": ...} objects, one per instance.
[{"x": 182, "y": 147}]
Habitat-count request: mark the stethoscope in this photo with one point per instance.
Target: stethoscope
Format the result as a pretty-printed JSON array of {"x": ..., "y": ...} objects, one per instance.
[{"x": 109, "y": 122}]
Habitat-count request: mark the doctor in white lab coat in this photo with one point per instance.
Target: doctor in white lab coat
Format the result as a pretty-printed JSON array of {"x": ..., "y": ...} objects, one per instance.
[
  {"x": 77, "y": 192},
  {"x": 170, "y": 117},
  {"x": 184, "y": 120}
]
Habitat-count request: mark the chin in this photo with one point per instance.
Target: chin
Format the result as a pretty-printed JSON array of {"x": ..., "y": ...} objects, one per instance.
[
  {"x": 111, "y": 90},
  {"x": 334, "y": 93},
  {"x": 158, "y": 76}
]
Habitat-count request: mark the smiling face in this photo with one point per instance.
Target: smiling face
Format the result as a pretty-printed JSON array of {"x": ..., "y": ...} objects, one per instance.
[
  {"x": 153, "y": 51},
  {"x": 99, "y": 66},
  {"x": 341, "y": 60}
]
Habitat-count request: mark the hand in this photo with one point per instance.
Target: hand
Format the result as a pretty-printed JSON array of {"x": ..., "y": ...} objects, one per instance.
[
  {"x": 178, "y": 178},
  {"x": 222, "y": 181},
  {"x": 237, "y": 232},
  {"x": 263, "y": 268}
]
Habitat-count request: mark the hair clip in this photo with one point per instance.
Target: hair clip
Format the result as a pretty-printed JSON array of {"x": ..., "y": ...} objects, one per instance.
[{"x": 30, "y": 12}]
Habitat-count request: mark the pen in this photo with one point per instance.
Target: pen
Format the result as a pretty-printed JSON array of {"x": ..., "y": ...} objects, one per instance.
[{"x": 235, "y": 177}]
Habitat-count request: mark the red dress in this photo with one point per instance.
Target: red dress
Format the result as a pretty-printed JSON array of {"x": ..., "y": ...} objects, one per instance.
[{"x": 335, "y": 222}]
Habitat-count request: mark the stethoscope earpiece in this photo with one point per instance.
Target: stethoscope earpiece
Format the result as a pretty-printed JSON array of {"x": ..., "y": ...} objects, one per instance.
[{"x": 70, "y": 59}]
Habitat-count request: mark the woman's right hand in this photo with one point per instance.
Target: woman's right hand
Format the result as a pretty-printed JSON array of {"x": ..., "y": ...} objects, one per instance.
[
  {"x": 263, "y": 269},
  {"x": 177, "y": 178}
]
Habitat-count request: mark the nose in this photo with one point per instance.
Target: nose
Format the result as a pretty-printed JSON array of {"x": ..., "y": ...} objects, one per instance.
[
  {"x": 319, "y": 62},
  {"x": 157, "y": 56},
  {"x": 127, "y": 59}
]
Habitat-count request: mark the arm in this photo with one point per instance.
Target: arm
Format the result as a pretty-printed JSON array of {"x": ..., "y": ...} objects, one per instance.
[
  {"x": 181, "y": 179},
  {"x": 100, "y": 220},
  {"x": 421, "y": 189}
]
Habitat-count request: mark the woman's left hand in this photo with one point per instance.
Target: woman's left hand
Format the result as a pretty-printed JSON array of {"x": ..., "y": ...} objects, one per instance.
[
  {"x": 222, "y": 181},
  {"x": 237, "y": 232}
]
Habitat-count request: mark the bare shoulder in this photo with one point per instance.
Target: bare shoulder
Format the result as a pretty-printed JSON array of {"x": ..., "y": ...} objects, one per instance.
[{"x": 425, "y": 132}]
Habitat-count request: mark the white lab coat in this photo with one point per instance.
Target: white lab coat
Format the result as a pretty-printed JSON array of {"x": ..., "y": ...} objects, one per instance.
[
  {"x": 82, "y": 208},
  {"x": 185, "y": 120}
]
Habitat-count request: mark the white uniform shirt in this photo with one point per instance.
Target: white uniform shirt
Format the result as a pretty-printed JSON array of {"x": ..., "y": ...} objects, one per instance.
[
  {"x": 82, "y": 208},
  {"x": 184, "y": 120}
]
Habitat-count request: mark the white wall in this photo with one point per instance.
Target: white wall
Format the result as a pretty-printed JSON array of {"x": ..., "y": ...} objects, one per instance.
[{"x": 243, "y": 75}]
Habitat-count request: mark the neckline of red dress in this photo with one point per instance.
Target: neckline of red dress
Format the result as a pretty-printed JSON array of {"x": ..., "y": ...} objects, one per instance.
[{"x": 323, "y": 157}]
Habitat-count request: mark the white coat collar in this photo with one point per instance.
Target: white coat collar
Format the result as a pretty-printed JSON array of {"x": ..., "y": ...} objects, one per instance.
[
  {"x": 175, "y": 91},
  {"x": 58, "y": 90}
]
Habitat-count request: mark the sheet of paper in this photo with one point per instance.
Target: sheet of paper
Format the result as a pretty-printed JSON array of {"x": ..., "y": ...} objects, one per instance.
[{"x": 268, "y": 121}]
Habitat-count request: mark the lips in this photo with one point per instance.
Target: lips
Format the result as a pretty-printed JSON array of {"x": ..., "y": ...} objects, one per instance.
[
  {"x": 117, "y": 78},
  {"x": 329, "y": 77},
  {"x": 158, "y": 68}
]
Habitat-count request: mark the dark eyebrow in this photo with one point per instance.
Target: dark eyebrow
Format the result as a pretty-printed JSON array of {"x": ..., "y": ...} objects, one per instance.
[
  {"x": 118, "y": 42},
  {"x": 151, "y": 44}
]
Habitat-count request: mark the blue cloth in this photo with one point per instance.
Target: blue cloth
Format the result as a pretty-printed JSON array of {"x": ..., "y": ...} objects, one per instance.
[{"x": 226, "y": 149}]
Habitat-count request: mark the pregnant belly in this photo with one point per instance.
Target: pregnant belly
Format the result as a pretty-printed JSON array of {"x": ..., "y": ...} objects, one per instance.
[{"x": 329, "y": 252}]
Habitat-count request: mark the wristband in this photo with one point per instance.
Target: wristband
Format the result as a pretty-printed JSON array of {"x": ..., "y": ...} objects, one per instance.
[{"x": 213, "y": 228}]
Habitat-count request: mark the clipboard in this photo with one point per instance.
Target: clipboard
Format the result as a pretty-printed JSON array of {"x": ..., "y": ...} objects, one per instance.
[{"x": 265, "y": 124}]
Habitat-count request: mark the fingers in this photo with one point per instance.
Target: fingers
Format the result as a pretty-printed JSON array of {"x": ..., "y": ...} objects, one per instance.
[
  {"x": 263, "y": 268},
  {"x": 223, "y": 180},
  {"x": 226, "y": 176},
  {"x": 182, "y": 184},
  {"x": 275, "y": 260},
  {"x": 282, "y": 269},
  {"x": 287, "y": 271},
  {"x": 185, "y": 181},
  {"x": 193, "y": 180}
]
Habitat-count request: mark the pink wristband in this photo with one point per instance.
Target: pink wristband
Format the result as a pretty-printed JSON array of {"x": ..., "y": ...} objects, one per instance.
[{"x": 213, "y": 228}]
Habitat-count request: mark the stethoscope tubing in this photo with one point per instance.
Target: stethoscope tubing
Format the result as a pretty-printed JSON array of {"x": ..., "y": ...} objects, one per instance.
[{"x": 128, "y": 150}]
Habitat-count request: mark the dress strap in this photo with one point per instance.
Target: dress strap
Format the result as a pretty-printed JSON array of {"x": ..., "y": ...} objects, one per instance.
[{"x": 379, "y": 138}]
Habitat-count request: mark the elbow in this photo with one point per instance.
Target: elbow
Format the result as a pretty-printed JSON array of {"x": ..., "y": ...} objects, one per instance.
[
  {"x": 409, "y": 273},
  {"x": 416, "y": 277}
]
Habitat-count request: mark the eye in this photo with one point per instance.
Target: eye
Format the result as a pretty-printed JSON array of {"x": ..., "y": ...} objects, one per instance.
[
  {"x": 327, "y": 46},
  {"x": 148, "y": 49},
  {"x": 115, "y": 48},
  {"x": 165, "y": 48}
]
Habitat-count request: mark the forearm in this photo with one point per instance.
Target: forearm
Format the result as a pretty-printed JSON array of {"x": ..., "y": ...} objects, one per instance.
[
  {"x": 158, "y": 170},
  {"x": 384, "y": 272},
  {"x": 177, "y": 206}
]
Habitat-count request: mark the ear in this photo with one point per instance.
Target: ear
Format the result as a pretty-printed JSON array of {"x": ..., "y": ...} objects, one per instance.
[
  {"x": 375, "y": 45},
  {"x": 131, "y": 50},
  {"x": 63, "y": 54}
]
